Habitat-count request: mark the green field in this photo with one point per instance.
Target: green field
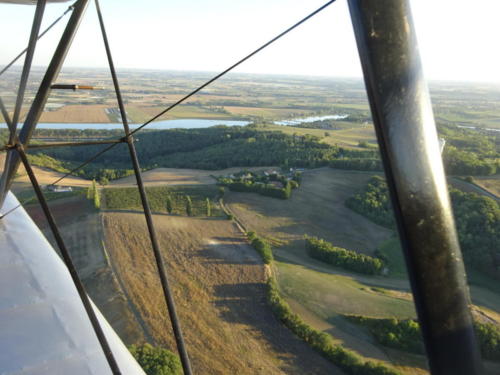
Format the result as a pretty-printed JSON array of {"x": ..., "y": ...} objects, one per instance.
[
  {"x": 321, "y": 294},
  {"x": 129, "y": 199}
]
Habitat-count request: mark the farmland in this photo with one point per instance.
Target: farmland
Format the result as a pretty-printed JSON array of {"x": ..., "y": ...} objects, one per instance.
[
  {"x": 316, "y": 208},
  {"x": 219, "y": 286},
  {"x": 219, "y": 281},
  {"x": 322, "y": 294}
]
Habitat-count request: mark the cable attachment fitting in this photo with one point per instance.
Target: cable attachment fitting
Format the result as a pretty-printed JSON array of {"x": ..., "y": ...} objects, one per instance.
[{"x": 127, "y": 139}]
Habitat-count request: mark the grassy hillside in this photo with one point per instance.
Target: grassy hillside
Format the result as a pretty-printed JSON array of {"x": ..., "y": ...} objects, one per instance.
[
  {"x": 321, "y": 293},
  {"x": 219, "y": 287}
]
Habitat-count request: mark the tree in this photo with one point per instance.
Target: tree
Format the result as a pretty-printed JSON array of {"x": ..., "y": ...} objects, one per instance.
[
  {"x": 209, "y": 208},
  {"x": 97, "y": 198},
  {"x": 189, "y": 206},
  {"x": 170, "y": 206},
  {"x": 156, "y": 361}
]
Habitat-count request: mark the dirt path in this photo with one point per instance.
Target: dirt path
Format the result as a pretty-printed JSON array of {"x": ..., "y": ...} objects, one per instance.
[
  {"x": 474, "y": 188},
  {"x": 219, "y": 286}
]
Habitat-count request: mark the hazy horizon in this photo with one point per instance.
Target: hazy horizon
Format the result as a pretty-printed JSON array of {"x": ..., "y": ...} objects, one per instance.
[{"x": 195, "y": 36}]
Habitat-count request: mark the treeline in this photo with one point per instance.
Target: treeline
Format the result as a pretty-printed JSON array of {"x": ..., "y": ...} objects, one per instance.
[
  {"x": 319, "y": 341},
  {"x": 94, "y": 195},
  {"x": 336, "y": 256},
  {"x": 262, "y": 247},
  {"x": 373, "y": 202},
  {"x": 78, "y": 133},
  {"x": 401, "y": 334},
  {"x": 404, "y": 334},
  {"x": 262, "y": 189},
  {"x": 469, "y": 152},
  {"x": 208, "y": 148},
  {"x": 357, "y": 164},
  {"x": 178, "y": 200},
  {"x": 478, "y": 224},
  {"x": 327, "y": 124},
  {"x": 465, "y": 153},
  {"x": 477, "y": 219}
]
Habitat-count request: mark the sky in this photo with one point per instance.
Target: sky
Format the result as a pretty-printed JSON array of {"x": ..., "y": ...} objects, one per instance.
[{"x": 458, "y": 39}]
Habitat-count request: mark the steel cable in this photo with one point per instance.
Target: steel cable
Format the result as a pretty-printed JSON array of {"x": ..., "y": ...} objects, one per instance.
[{"x": 202, "y": 86}]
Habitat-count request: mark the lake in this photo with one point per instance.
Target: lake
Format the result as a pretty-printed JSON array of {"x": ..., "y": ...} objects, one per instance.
[
  {"x": 165, "y": 124},
  {"x": 297, "y": 121}
]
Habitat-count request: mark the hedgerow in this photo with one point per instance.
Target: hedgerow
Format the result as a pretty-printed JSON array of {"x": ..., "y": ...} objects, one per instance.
[
  {"x": 319, "y": 341},
  {"x": 337, "y": 256}
]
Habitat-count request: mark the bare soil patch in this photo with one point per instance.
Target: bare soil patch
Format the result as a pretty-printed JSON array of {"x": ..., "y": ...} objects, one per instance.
[
  {"x": 490, "y": 183},
  {"x": 77, "y": 114},
  {"x": 219, "y": 286}
]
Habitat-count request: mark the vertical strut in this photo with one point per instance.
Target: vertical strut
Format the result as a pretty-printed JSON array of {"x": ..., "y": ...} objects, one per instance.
[
  {"x": 69, "y": 264},
  {"x": 12, "y": 159},
  {"x": 407, "y": 136},
  {"x": 181, "y": 347},
  {"x": 37, "y": 20}
]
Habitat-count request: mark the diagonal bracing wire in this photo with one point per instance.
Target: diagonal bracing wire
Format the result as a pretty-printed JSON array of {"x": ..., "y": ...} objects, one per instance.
[
  {"x": 94, "y": 157},
  {"x": 37, "y": 21},
  {"x": 39, "y": 36},
  {"x": 160, "y": 264},
  {"x": 101, "y": 337}
]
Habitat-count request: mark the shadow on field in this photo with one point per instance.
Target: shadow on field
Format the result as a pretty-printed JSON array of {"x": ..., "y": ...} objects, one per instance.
[{"x": 247, "y": 304}]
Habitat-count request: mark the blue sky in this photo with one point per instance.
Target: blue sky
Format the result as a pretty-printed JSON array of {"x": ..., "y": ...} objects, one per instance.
[{"x": 458, "y": 39}]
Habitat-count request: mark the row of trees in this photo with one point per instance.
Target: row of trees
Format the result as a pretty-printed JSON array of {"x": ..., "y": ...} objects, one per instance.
[
  {"x": 262, "y": 247},
  {"x": 262, "y": 189},
  {"x": 94, "y": 195},
  {"x": 319, "y": 341},
  {"x": 401, "y": 334},
  {"x": 190, "y": 201},
  {"x": 404, "y": 334},
  {"x": 336, "y": 256}
]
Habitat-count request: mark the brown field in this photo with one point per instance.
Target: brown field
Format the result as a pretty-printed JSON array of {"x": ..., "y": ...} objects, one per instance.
[
  {"x": 271, "y": 113},
  {"x": 218, "y": 284},
  {"x": 44, "y": 176},
  {"x": 490, "y": 183},
  {"x": 181, "y": 112},
  {"x": 47, "y": 176},
  {"x": 348, "y": 138},
  {"x": 77, "y": 114},
  {"x": 175, "y": 176},
  {"x": 484, "y": 186}
]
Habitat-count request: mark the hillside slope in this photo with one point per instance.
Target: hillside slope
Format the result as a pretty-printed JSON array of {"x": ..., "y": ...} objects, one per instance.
[{"x": 218, "y": 283}]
